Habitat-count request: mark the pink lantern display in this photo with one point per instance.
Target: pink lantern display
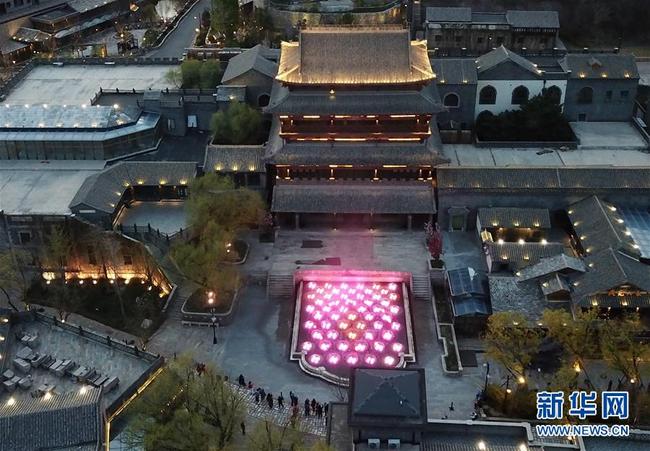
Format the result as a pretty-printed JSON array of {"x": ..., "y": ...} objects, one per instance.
[{"x": 346, "y": 324}]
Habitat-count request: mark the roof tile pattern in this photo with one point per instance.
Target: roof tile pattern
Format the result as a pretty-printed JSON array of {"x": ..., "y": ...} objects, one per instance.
[
  {"x": 538, "y": 218},
  {"x": 366, "y": 56}
]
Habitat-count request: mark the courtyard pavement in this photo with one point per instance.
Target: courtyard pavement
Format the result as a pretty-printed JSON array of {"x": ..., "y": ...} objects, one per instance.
[{"x": 257, "y": 343}]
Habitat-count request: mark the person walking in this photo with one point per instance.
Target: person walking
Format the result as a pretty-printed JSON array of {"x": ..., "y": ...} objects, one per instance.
[
  {"x": 262, "y": 394},
  {"x": 257, "y": 396},
  {"x": 313, "y": 405},
  {"x": 306, "y": 407},
  {"x": 451, "y": 406},
  {"x": 280, "y": 401},
  {"x": 242, "y": 425},
  {"x": 319, "y": 411},
  {"x": 250, "y": 385},
  {"x": 269, "y": 400},
  {"x": 326, "y": 408},
  {"x": 241, "y": 380}
]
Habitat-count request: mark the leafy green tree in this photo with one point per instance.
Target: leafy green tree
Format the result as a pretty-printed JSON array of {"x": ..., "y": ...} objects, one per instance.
[
  {"x": 239, "y": 124},
  {"x": 191, "y": 73},
  {"x": 183, "y": 410},
  {"x": 58, "y": 247},
  {"x": 216, "y": 211},
  {"x": 512, "y": 341},
  {"x": 12, "y": 275},
  {"x": 578, "y": 337},
  {"x": 225, "y": 18},
  {"x": 209, "y": 74},
  {"x": 148, "y": 13},
  {"x": 175, "y": 77}
]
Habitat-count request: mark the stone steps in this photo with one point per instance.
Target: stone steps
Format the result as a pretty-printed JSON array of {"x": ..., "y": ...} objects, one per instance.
[{"x": 421, "y": 288}]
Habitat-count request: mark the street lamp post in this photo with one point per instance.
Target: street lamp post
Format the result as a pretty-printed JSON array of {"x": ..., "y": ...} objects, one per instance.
[
  {"x": 487, "y": 375},
  {"x": 213, "y": 320}
]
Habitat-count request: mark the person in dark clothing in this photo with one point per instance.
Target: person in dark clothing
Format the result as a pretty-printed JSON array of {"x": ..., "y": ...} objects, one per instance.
[
  {"x": 306, "y": 407},
  {"x": 262, "y": 393},
  {"x": 326, "y": 408},
  {"x": 241, "y": 380},
  {"x": 269, "y": 400},
  {"x": 257, "y": 397},
  {"x": 313, "y": 404},
  {"x": 281, "y": 401},
  {"x": 451, "y": 406},
  {"x": 250, "y": 385},
  {"x": 319, "y": 411},
  {"x": 243, "y": 428}
]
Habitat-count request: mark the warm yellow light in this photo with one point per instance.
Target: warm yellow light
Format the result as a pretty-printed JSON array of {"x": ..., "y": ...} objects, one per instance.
[
  {"x": 544, "y": 242},
  {"x": 11, "y": 401},
  {"x": 521, "y": 241}
]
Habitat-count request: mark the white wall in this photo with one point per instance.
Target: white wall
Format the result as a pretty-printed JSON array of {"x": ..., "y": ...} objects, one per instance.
[{"x": 504, "y": 93}]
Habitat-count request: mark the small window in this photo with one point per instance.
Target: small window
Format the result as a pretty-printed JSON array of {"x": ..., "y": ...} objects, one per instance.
[
  {"x": 437, "y": 38},
  {"x": 25, "y": 237},
  {"x": 451, "y": 100},
  {"x": 263, "y": 100},
  {"x": 608, "y": 96},
  {"x": 171, "y": 124},
  {"x": 520, "y": 95},
  {"x": 488, "y": 96},
  {"x": 582, "y": 117},
  {"x": 586, "y": 95},
  {"x": 625, "y": 95},
  {"x": 479, "y": 40},
  {"x": 128, "y": 260}
]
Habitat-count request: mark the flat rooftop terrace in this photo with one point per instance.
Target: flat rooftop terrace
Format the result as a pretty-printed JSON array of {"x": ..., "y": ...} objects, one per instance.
[
  {"x": 602, "y": 144},
  {"x": 63, "y": 344},
  {"x": 42, "y": 187},
  {"x": 77, "y": 84}
]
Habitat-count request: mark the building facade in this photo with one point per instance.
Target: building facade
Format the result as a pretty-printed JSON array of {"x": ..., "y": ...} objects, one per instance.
[
  {"x": 354, "y": 135},
  {"x": 461, "y": 31}
]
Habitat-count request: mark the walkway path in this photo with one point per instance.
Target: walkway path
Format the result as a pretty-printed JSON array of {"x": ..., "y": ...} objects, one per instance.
[{"x": 182, "y": 36}]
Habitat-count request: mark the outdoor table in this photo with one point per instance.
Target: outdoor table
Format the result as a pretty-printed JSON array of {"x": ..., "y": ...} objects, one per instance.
[
  {"x": 110, "y": 383},
  {"x": 25, "y": 383},
  {"x": 21, "y": 365},
  {"x": 9, "y": 385},
  {"x": 52, "y": 368},
  {"x": 25, "y": 353},
  {"x": 8, "y": 374}
]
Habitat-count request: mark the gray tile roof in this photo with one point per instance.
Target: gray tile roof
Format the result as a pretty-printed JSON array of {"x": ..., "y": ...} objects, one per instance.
[
  {"x": 553, "y": 284},
  {"x": 541, "y": 178},
  {"x": 599, "y": 227},
  {"x": 507, "y": 294},
  {"x": 455, "y": 71},
  {"x": 549, "y": 265},
  {"x": 509, "y": 217},
  {"x": 367, "y": 56},
  {"x": 387, "y": 393},
  {"x": 222, "y": 158},
  {"x": 250, "y": 59},
  {"x": 360, "y": 154},
  {"x": 607, "y": 270},
  {"x": 103, "y": 191},
  {"x": 72, "y": 420},
  {"x": 354, "y": 197},
  {"x": 321, "y": 102},
  {"x": 500, "y": 55},
  {"x": 519, "y": 256},
  {"x": 533, "y": 19},
  {"x": 594, "y": 65},
  {"x": 448, "y": 14}
]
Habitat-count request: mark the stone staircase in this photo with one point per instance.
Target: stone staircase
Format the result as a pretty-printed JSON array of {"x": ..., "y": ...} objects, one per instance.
[
  {"x": 421, "y": 288},
  {"x": 279, "y": 286}
]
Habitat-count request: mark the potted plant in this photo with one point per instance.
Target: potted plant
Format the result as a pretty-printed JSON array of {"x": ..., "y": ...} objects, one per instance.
[
  {"x": 267, "y": 228},
  {"x": 433, "y": 238}
]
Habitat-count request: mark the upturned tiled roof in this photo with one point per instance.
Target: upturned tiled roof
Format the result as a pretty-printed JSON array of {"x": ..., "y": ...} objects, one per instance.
[
  {"x": 549, "y": 265},
  {"x": 600, "y": 65},
  {"x": 607, "y": 270},
  {"x": 354, "y": 197},
  {"x": 500, "y": 55},
  {"x": 65, "y": 421},
  {"x": 599, "y": 227},
  {"x": 103, "y": 191},
  {"x": 250, "y": 59},
  {"x": 365, "y": 56},
  {"x": 521, "y": 255},
  {"x": 510, "y": 217}
]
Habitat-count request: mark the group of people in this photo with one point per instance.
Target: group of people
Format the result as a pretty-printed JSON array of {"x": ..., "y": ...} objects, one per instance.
[{"x": 311, "y": 407}]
